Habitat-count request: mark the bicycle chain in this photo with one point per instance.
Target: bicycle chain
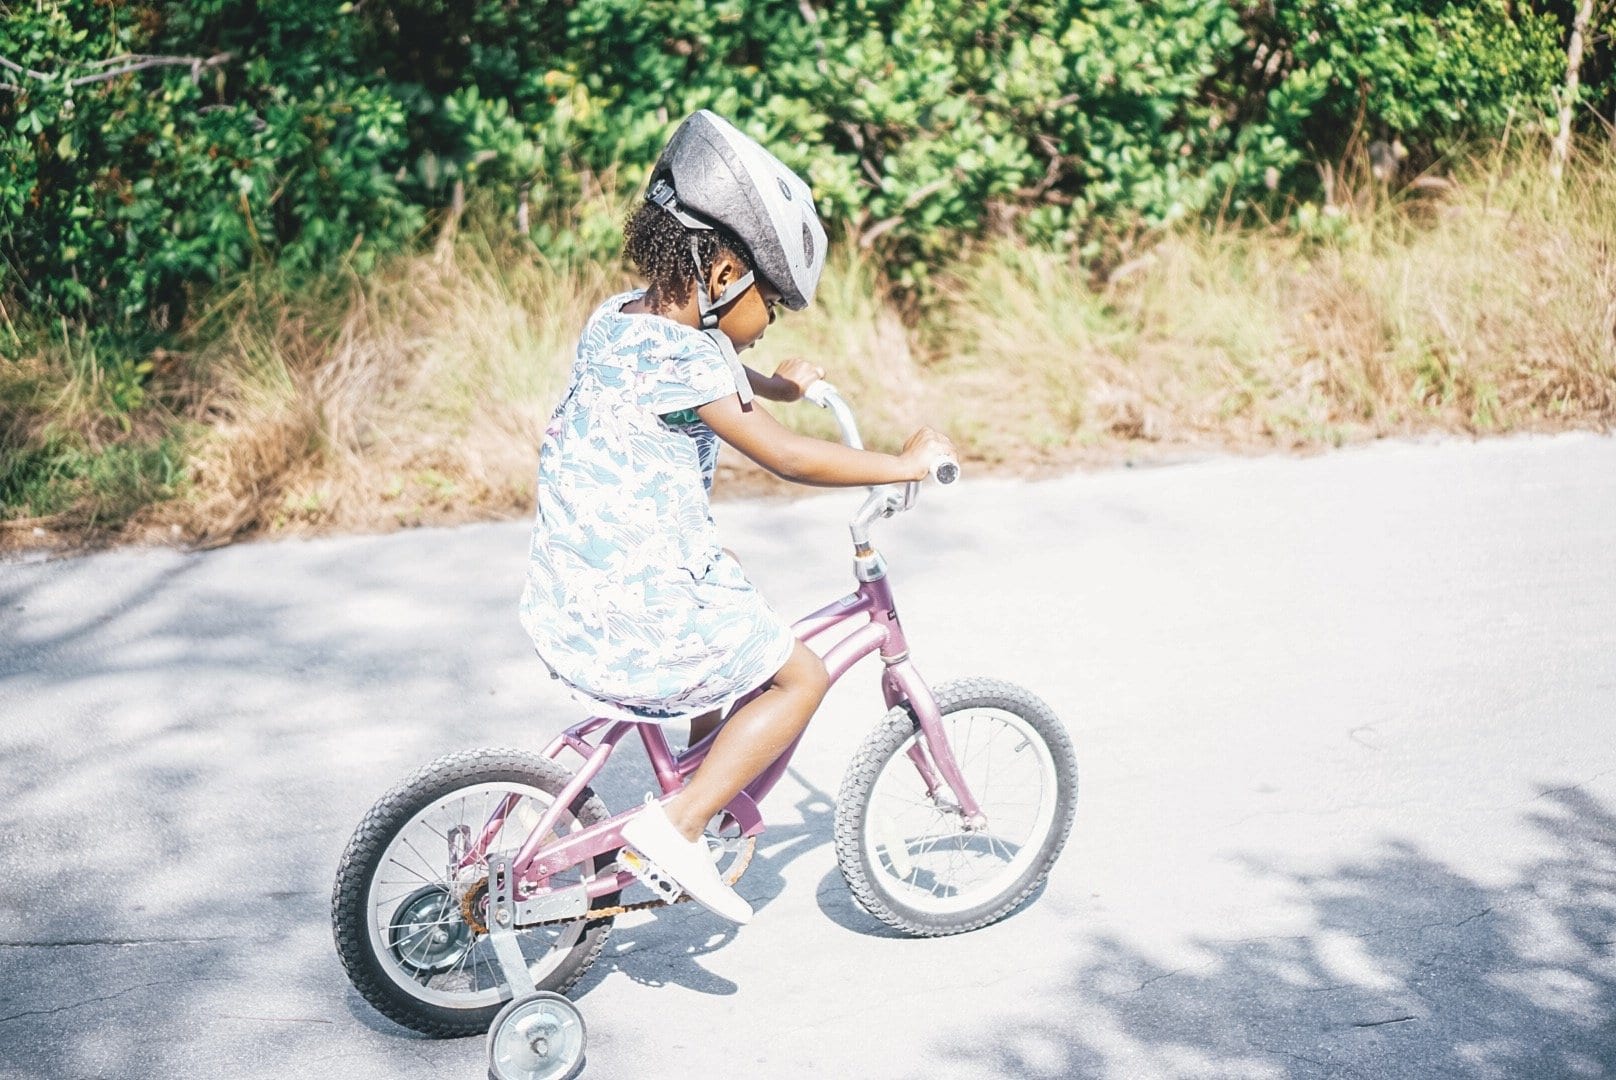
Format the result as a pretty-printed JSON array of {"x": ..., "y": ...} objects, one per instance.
[{"x": 468, "y": 903}]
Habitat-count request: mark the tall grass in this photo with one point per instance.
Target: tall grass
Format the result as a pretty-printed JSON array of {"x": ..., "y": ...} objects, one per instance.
[
  {"x": 1483, "y": 303},
  {"x": 413, "y": 395}
]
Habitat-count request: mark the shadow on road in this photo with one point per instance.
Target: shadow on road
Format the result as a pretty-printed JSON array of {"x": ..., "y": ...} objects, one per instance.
[
  {"x": 1410, "y": 970},
  {"x": 173, "y": 809},
  {"x": 666, "y": 947}
]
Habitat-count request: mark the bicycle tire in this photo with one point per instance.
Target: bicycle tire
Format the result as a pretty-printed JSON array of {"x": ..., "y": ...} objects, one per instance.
[
  {"x": 382, "y": 979},
  {"x": 871, "y": 847}
]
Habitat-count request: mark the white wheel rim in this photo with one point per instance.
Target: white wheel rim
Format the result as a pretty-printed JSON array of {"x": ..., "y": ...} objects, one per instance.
[
  {"x": 411, "y": 870},
  {"x": 919, "y": 853},
  {"x": 540, "y": 1038}
]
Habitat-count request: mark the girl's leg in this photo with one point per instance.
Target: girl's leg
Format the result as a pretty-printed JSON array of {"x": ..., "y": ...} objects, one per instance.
[
  {"x": 703, "y": 725},
  {"x": 751, "y": 741}
]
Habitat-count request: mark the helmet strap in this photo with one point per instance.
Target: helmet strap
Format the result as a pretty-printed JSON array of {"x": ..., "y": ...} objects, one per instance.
[
  {"x": 709, "y": 306},
  {"x": 743, "y": 385}
]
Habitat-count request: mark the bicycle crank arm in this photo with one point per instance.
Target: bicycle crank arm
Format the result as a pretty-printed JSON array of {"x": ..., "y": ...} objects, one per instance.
[{"x": 742, "y": 860}]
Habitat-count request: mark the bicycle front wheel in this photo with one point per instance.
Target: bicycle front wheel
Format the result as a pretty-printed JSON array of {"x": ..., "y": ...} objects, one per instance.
[{"x": 908, "y": 853}]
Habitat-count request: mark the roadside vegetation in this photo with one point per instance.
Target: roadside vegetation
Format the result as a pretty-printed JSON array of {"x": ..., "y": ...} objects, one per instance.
[
  {"x": 331, "y": 276},
  {"x": 417, "y": 392}
]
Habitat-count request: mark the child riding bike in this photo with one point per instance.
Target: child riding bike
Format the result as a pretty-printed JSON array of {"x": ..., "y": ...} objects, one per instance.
[{"x": 630, "y": 599}]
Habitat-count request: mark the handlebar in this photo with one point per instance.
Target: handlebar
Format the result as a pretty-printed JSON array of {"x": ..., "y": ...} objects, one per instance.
[
  {"x": 885, "y": 500},
  {"x": 825, "y": 395},
  {"x": 945, "y": 470}
]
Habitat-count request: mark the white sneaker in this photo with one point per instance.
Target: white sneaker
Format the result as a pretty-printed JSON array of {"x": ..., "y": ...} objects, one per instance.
[{"x": 685, "y": 864}]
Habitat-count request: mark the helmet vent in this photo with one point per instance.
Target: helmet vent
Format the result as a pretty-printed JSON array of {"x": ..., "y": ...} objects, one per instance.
[
  {"x": 807, "y": 244},
  {"x": 785, "y": 189}
]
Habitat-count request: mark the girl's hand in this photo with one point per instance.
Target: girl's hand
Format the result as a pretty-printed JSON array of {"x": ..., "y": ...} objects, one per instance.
[
  {"x": 923, "y": 450},
  {"x": 795, "y": 376}
]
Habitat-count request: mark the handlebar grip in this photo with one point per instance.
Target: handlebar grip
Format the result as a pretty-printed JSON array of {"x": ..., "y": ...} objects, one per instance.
[
  {"x": 820, "y": 392},
  {"x": 945, "y": 470}
]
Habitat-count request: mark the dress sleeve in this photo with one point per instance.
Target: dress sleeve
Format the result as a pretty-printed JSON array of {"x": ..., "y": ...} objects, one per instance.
[{"x": 691, "y": 373}]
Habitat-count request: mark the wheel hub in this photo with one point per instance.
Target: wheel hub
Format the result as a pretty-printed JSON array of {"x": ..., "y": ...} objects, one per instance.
[
  {"x": 428, "y": 936},
  {"x": 540, "y": 1037}
]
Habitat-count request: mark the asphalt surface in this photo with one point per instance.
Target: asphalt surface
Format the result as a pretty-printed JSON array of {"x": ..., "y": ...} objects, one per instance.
[{"x": 1348, "y": 797}]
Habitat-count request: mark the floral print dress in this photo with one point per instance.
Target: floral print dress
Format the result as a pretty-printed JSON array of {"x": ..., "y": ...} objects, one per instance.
[{"x": 630, "y": 599}]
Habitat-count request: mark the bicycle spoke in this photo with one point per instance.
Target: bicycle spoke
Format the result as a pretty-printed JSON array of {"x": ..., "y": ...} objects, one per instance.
[
  {"x": 424, "y": 861},
  {"x": 407, "y": 870},
  {"x": 380, "y": 904},
  {"x": 916, "y": 803},
  {"x": 493, "y": 970},
  {"x": 460, "y": 961},
  {"x": 422, "y": 940},
  {"x": 940, "y": 860},
  {"x": 421, "y": 927}
]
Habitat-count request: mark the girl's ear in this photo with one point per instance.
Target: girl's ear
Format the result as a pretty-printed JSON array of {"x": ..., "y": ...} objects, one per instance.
[{"x": 725, "y": 269}]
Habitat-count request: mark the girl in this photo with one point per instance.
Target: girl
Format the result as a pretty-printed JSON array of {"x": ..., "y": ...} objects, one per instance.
[{"x": 630, "y": 599}]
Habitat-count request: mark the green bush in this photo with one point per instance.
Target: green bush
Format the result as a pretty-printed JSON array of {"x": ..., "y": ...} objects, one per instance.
[
  {"x": 61, "y": 475},
  {"x": 308, "y": 133}
]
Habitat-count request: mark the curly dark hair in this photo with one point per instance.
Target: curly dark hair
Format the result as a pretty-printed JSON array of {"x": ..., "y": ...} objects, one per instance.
[{"x": 658, "y": 244}]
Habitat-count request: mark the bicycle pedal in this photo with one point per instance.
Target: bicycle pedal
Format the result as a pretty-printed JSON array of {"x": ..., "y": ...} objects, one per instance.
[{"x": 648, "y": 875}]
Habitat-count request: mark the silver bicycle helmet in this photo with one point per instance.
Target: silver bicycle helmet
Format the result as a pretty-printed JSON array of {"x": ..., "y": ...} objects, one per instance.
[{"x": 710, "y": 175}]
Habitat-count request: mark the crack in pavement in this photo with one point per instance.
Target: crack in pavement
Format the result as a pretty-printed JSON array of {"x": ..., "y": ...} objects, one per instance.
[
  {"x": 1383, "y": 1023},
  {"x": 1353, "y": 735},
  {"x": 1547, "y": 792},
  {"x": 82, "y": 943},
  {"x": 276, "y": 1019},
  {"x": 1335, "y": 1067},
  {"x": 1421, "y": 928},
  {"x": 1407, "y": 928},
  {"x": 1157, "y": 979},
  {"x": 79, "y": 1004},
  {"x": 1470, "y": 919}
]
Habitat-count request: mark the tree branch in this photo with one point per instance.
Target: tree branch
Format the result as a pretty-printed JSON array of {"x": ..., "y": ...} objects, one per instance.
[
  {"x": 130, "y": 62},
  {"x": 1560, "y": 151},
  {"x": 20, "y": 70},
  {"x": 140, "y": 63},
  {"x": 916, "y": 197}
]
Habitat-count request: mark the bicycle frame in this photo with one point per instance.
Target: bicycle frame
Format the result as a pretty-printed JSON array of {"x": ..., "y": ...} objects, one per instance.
[{"x": 542, "y": 857}]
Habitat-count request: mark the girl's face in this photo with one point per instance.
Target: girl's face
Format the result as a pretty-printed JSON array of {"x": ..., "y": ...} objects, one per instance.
[{"x": 744, "y": 321}]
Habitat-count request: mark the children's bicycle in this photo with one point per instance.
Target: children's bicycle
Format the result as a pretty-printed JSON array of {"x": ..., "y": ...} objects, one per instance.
[{"x": 483, "y": 886}]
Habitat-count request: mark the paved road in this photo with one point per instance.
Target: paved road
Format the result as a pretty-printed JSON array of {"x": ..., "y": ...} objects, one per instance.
[{"x": 1349, "y": 787}]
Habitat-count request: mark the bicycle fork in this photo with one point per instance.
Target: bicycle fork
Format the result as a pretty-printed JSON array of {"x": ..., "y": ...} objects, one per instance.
[{"x": 933, "y": 756}]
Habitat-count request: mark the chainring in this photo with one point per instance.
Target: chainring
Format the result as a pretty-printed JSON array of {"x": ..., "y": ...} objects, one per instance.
[{"x": 475, "y": 900}]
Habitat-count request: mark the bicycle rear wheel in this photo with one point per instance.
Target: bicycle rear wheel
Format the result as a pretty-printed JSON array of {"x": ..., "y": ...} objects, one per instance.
[
  {"x": 910, "y": 857},
  {"x": 400, "y": 902}
]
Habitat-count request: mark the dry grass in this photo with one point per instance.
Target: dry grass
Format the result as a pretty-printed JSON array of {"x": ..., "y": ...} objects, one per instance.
[
  {"x": 418, "y": 396},
  {"x": 1486, "y": 305},
  {"x": 418, "y": 393}
]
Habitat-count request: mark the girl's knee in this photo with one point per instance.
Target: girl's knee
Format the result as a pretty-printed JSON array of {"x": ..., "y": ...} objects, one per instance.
[{"x": 804, "y": 672}]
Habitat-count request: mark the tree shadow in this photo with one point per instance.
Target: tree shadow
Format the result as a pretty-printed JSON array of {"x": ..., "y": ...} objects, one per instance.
[
  {"x": 665, "y": 949},
  {"x": 1411, "y": 970},
  {"x": 182, "y": 777}
]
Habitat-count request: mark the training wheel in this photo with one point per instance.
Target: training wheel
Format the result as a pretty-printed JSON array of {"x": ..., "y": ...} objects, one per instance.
[{"x": 536, "y": 1037}]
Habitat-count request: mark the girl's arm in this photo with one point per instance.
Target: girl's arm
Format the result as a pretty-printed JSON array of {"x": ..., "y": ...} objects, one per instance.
[
  {"x": 807, "y": 460},
  {"x": 772, "y": 386},
  {"x": 787, "y": 383}
]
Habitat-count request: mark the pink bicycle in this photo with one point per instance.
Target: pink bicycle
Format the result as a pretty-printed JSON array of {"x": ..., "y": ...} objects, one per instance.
[{"x": 484, "y": 885}]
